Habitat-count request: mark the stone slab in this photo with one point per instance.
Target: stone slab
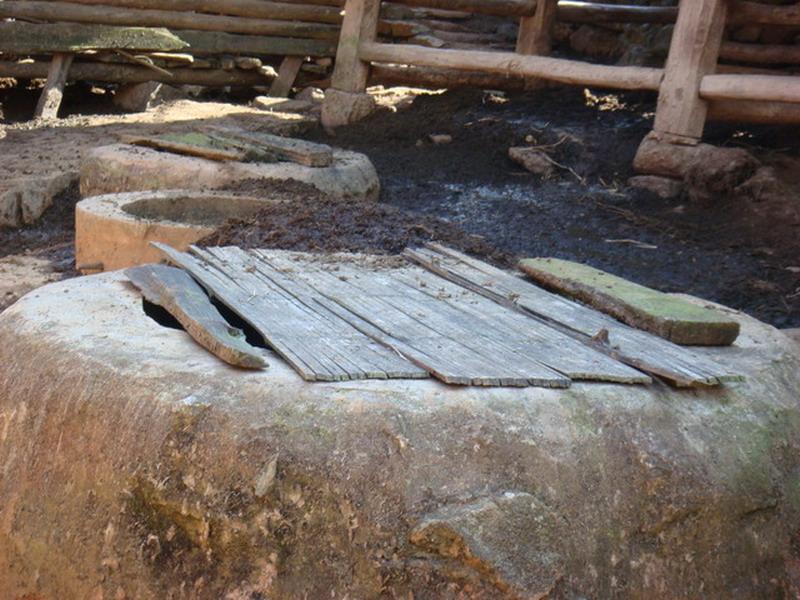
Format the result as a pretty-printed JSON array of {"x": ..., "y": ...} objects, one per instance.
[
  {"x": 124, "y": 168},
  {"x": 137, "y": 465}
]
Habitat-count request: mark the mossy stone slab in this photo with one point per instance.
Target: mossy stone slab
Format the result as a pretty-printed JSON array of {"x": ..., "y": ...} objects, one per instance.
[{"x": 675, "y": 319}]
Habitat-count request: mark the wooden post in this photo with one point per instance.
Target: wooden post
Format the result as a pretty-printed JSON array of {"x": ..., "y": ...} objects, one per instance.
[
  {"x": 287, "y": 73},
  {"x": 693, "y": 54},
  {"x": 50, "y": 100},
  {"x": 360, "y": 25},
  {"x": 536, "y": 32}
]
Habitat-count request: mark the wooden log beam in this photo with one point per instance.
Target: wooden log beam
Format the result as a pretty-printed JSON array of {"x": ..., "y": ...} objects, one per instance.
[
  {"x": 571, "y": 11},
  {"x": 506, "y": 63},
  {"x": 204, "y": 43},
  {"x": 764, "y": 54},
  {"x": 743, "y": 12},
  {"x": 748, "y": 111},
  {"x": 258, "y": 9},
  {"x": 104, "y": 15},
  {"x": 433, "y": 78},
  {"x": 18, "y": 37},
  {"x": 360, "y": 26},
  {"x": 287, "y": 73},
  {"x": 536, "y": 32},
  {"x": 53, "y": 92},
  {"x": 113, "y": 73},
  {"x": 755, "y": 88},
  {"x": 504, "y": 8},
  {"x": 693, "y": 53}
]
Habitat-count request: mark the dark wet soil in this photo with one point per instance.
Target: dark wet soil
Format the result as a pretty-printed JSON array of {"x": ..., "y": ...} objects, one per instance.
[
  {"x": 306, "y": 220},
  {"x": 725, "y": 251}
]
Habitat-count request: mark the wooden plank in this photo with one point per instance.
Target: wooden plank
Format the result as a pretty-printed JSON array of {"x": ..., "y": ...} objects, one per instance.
[
  {"x": 218, "y": 42},
  {"x": 457, "y": 347},
  {"x": 53, "y": 92},
  {"x": 693, "y": 54},
  {"x": 18, "y": 37},
  {"x": 316, "y": 343},
  {"x": 178, "y": 293},
  {"x": 664, "y": 315},
  {"x": 191, "y": 144},
  {"x": 360, "y": 25},
  {"x": 677, "y": 365},
  {"x": 302, "y": 152},
  {"x": 287, "y": 73}
]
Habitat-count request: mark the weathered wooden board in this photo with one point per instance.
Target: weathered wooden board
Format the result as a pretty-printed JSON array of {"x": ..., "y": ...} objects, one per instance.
[
  {"x": 190, "y": 144},
  {"x": 677, "y": 365},
  {"x": 302, "y": 152},
  {"x": 175, "y": 291},
  {"x": 456, "y": 334},
  {"x": 18, "y": 37},
  {"x": 664, "y": 315},
  {"x": 320, "y": 346}
]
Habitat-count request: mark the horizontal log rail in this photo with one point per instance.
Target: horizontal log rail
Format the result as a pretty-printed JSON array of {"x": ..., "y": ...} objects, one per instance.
[
  {"x": 592, "y": 12},
  {"x": 764, "y": 54},
  {"x": 743, "y": 12},
  {"x": 116, "y": 73},
  {"x": 508, "y": 63},
  {"x": 258, "y": 9},
  {"x": 754, "y": 88},
  {"x": 104, "y": 15}
]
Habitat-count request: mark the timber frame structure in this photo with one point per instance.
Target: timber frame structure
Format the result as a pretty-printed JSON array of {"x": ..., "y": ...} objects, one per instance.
[{"x": 692, "y": 86}]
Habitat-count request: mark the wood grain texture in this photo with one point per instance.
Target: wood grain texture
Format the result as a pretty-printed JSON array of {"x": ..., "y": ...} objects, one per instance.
[
  {"x": 175, "y": 291},
  {"x": 458, "y": 335},
  {"x": 672, "y": 318},
  {"x": 53, "y": 92},
  {"x": 318, "y": 345},
  {"x": 678, "y": 366}
]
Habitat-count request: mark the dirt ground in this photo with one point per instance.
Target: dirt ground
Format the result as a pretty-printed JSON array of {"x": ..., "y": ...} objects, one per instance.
[{"x": 739, "y": 247}]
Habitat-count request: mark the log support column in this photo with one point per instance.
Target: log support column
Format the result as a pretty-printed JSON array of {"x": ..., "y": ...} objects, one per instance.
[
  {"x": 536, "y": 34},
  {"x": 53, "y": 93},
  {"x": 681, "y": 113},
  {"x": 346, "y": 101}
]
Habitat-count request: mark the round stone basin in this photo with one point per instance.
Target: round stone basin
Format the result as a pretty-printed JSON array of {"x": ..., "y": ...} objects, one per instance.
[
  {"x": 125, "y": 168},
  {"x": 115, "y": 231},
  {"x": 137, "y": 465}
]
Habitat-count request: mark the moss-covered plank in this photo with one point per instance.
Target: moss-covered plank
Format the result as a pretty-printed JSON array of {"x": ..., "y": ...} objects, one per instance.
[
  {"x": 673, "y": 318},
  {"x": 17, "y": 37}
]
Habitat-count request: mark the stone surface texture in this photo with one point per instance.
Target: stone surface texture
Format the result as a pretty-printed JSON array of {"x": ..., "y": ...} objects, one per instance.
[
  {"x": 124, "y": 168},
  {"x": 110, "y": 236},
  {"x": 136, "y": 465},
  {"x": 24, "y": 200}
]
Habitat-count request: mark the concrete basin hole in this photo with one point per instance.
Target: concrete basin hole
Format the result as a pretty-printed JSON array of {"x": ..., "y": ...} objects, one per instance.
[{"x": 114, "y": 231}]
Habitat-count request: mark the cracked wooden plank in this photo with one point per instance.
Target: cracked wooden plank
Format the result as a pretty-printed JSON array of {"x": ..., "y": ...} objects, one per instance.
[
  {"x": 175, "y": 291},
  {"x": 677, "y": 365}
]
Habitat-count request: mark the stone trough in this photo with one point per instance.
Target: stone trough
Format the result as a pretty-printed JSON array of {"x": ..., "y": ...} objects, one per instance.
[
  {"x": 136, "y": 465},
  {"x": 128, "y": 168},
  {"x": 114, "y": 231}
]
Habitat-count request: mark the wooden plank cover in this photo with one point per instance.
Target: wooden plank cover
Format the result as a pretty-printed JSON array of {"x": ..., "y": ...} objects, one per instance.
[
  {"x": 675, "y": 319},
  {"x": 457, "y": 335},
  {"x": 679, "y": 366},
  {"x": 318, "y": 345},
  {"x": 301, "y": 152},
  {"x": 175, "y": 291}
]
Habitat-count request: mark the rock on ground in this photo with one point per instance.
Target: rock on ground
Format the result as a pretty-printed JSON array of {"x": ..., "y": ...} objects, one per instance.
[
  {"x": 665, "y": 188},
  {"x": 141, "y": 97},
  {"x": 533, "y": 160},
  {"x": 137, "y": 465},
  {"x": 24, "y": 200}
]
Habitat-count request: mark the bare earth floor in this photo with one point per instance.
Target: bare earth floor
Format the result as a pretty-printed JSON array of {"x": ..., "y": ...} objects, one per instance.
[{"x": 738, "y": 248}]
